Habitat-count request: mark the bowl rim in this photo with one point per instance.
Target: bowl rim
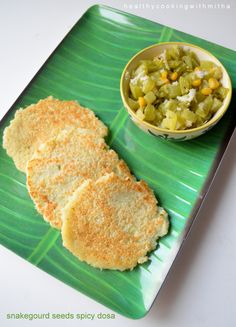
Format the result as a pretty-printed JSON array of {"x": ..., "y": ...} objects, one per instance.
[{"x": 209, "y": 123}]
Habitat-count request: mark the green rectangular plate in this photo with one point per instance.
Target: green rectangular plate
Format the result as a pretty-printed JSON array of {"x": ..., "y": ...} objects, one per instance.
[{"x": 87, "y": 66}]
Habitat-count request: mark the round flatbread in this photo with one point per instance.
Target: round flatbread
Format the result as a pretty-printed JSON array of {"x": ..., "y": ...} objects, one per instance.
[
  {"x": 62, "y": 164},
  {"x": 112, "y": 223},
  {"x": 39, "y": 122}
]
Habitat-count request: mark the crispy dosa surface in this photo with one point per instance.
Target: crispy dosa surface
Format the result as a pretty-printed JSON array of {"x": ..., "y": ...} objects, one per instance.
[
  {"x": 39, "y": 122},
  {"x": 112, "y": 223}
]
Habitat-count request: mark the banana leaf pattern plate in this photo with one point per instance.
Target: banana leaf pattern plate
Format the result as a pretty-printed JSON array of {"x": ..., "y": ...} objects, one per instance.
[{"x": 87, "y": 66}]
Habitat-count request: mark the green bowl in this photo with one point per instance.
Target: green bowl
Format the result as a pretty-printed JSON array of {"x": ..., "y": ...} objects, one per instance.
[{"x": 178, "y": 135}]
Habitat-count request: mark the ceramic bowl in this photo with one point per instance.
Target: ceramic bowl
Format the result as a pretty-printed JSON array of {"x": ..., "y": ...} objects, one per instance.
[{"x": 178, "y": 135}]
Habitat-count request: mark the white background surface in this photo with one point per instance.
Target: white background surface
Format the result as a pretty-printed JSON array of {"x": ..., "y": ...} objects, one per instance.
[{"x": 200, "y": 290}]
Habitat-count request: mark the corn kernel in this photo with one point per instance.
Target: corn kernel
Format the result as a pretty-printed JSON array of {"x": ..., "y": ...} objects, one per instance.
[
  {"x": 196, "y": 82},
  {"x": 142, "y": 102},
  {"x": 165, "y": 80},
  {"x": 206, "y": 90},
  {"x": 174, "y": 76},
  {"x": 213, "y": 83},
  {"x": 164, "y": 74}
]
